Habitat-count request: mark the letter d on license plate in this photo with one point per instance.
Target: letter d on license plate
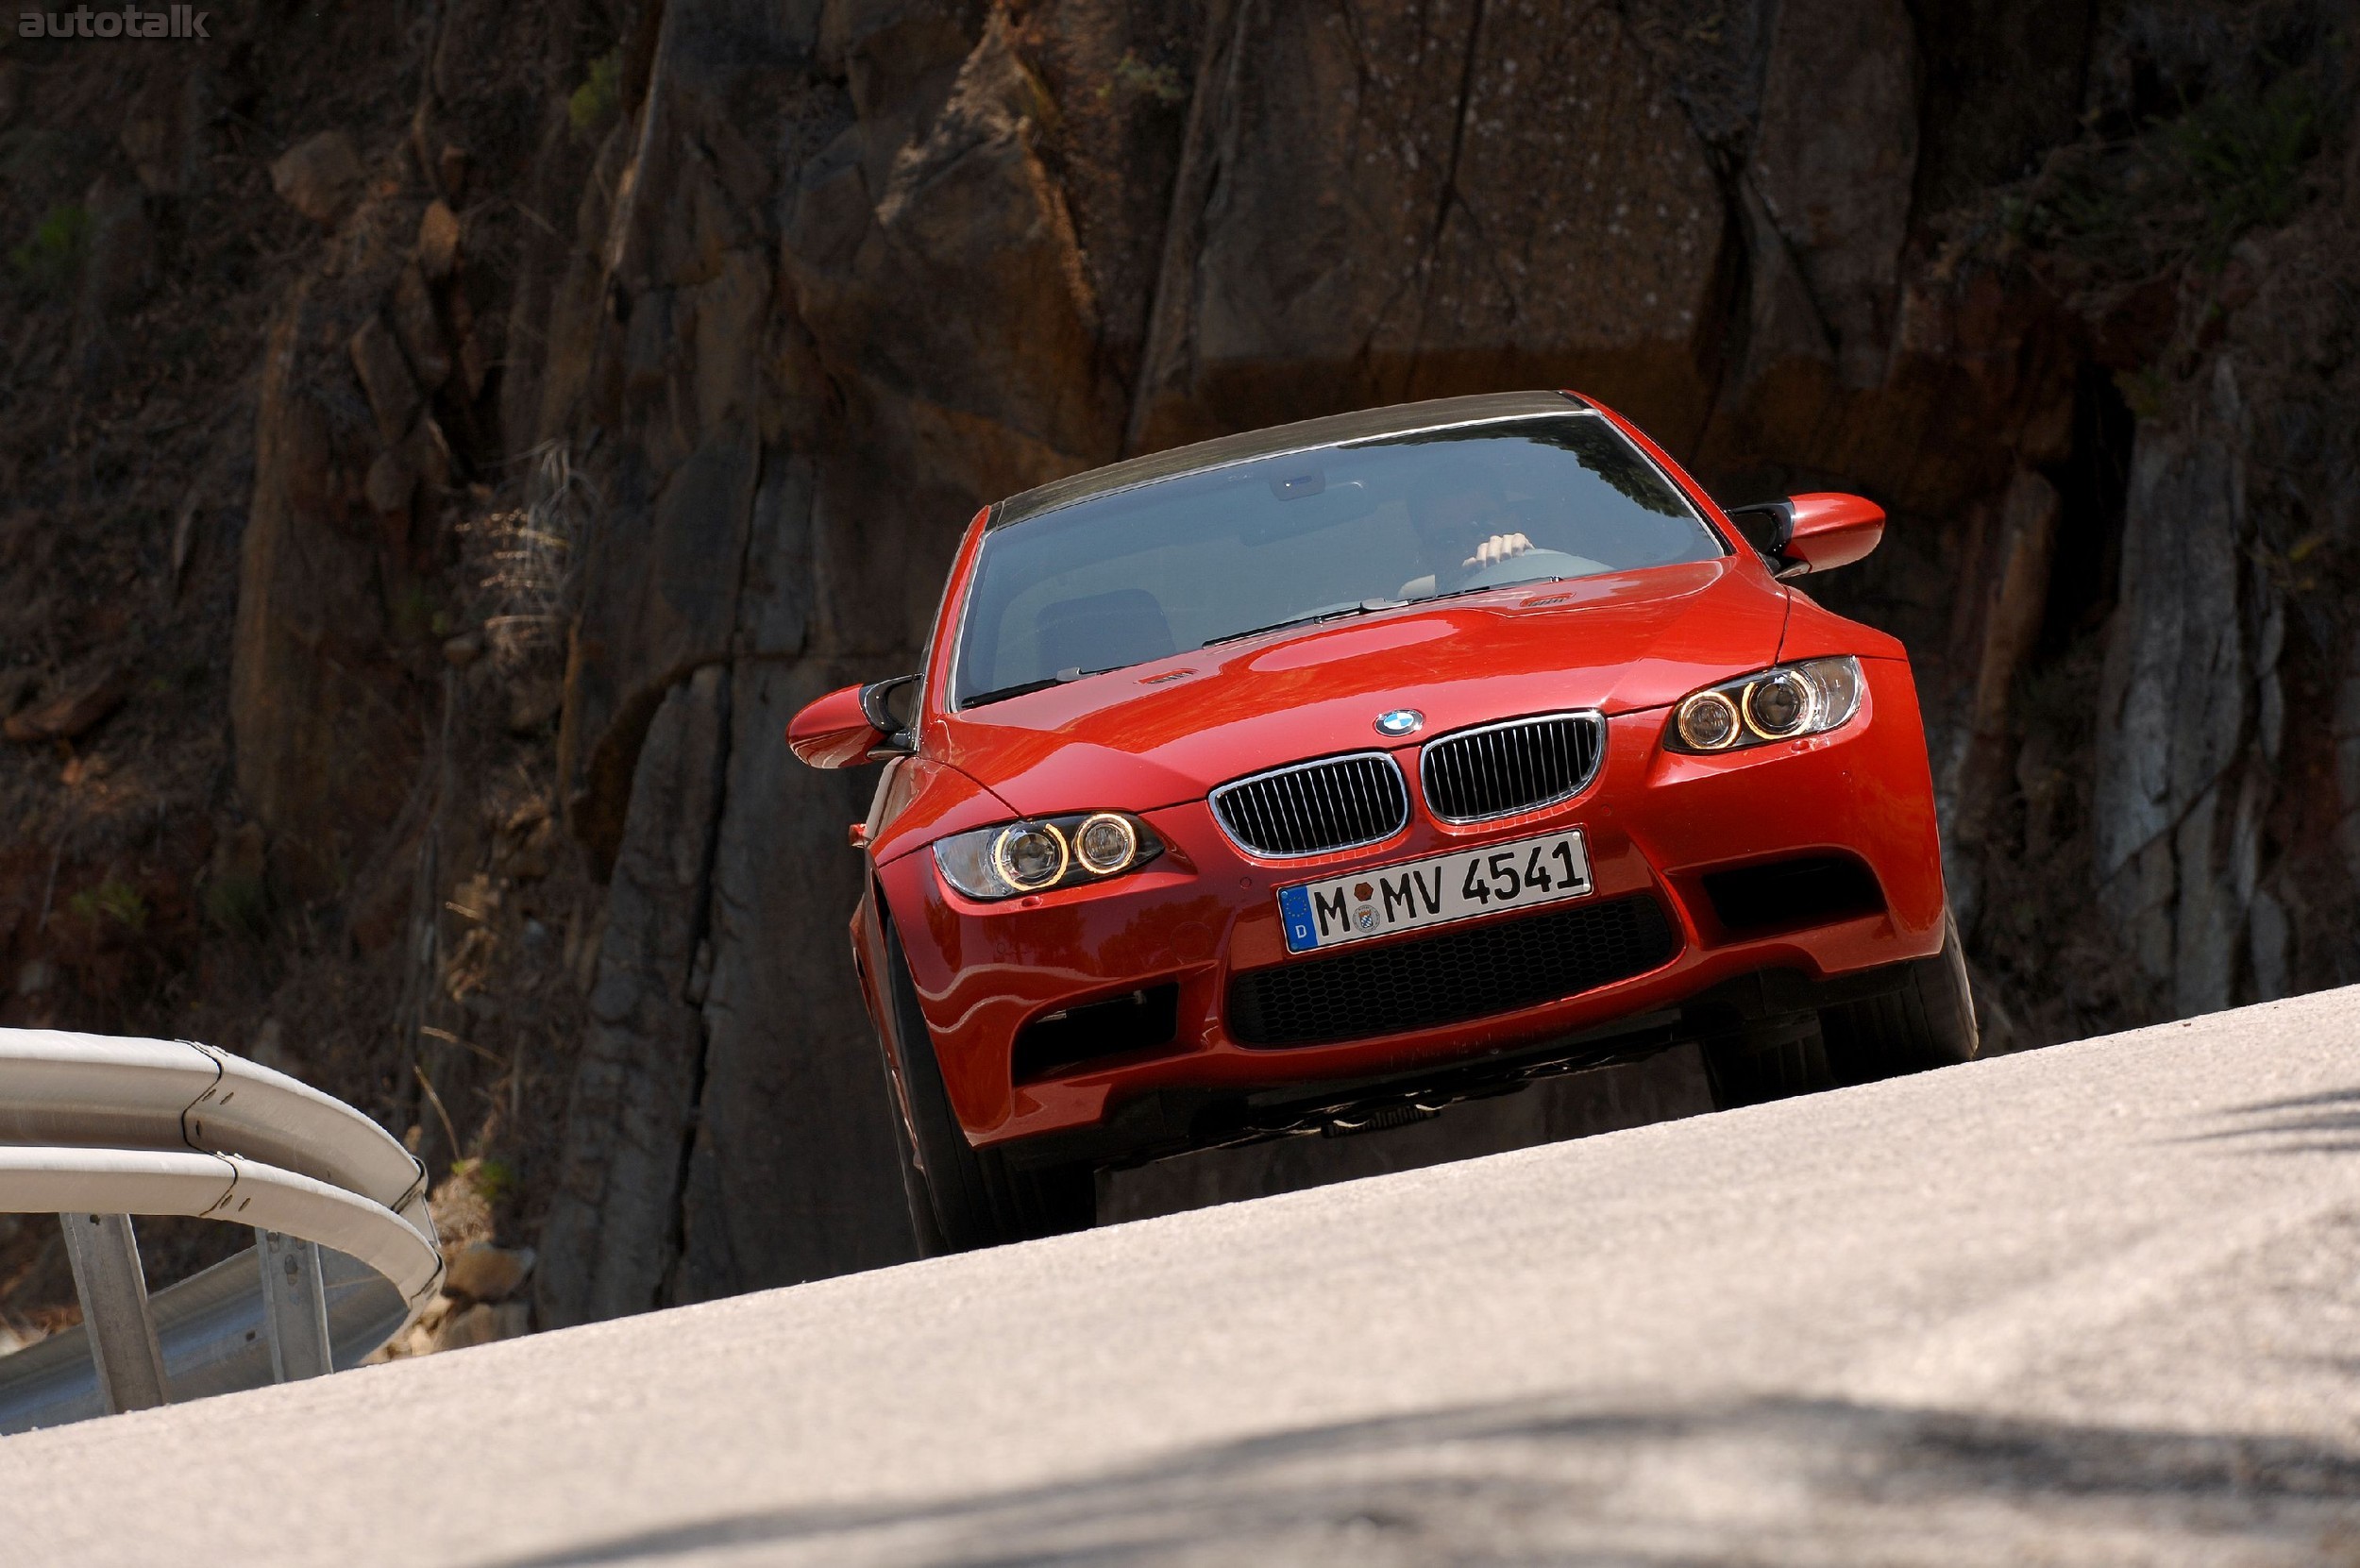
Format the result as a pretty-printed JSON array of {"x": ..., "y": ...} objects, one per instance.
[{"x": 1436, "y": 891}]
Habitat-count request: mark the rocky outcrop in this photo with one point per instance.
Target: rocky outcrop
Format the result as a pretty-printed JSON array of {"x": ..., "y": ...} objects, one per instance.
[
  {"x": 2008, "y": 553},
  {"x": 319, "y": 178},
  {"x": 327, "y": 730},
  {"x": 2224, "y": 855},
  {"x": 612, "y": 1238},
  {"x": 2190, "y": 685},
  {"x": 2347, "y": 739},
  {"x": 964, "y": 208},
  {"x": 1374, "y": 204},
  {"x": 792, "y": 1174},
  {"x": 1831, "y": 176},
  {"x": 72, "y": 713},
  {"x": 372, "y": 419}
]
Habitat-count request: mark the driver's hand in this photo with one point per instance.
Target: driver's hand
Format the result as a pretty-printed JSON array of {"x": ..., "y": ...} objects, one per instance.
[{"x": 1496, "y": 548}]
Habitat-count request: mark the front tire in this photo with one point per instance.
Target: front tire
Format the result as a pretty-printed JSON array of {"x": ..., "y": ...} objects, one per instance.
[
  {"x": 1774, "y": 1059},
  {"x": 1928, "y": 1022},
  {"x": 961, "y": 1197}
]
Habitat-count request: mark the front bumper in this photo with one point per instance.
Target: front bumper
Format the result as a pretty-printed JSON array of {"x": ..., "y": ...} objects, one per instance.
[{"x": 1657, "y": 824}]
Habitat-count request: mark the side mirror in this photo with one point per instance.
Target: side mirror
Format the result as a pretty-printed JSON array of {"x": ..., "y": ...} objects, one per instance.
[
  {"x": 1813, "y": 533},
  {"x": 857, "y": 724},
  {"x": 892, "y": 706}
]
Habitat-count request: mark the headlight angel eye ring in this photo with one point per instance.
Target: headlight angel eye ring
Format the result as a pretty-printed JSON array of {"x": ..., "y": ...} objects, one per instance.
[
  {"x": 1778, "y": 705},
  {"x": 1041, "y": 854},
  {"x": 1031, "y": 856},
  {"x": 1105, "y": 843},
  {"x": 1785, "y": 702},
  {"x": 1707, "y": 722}
]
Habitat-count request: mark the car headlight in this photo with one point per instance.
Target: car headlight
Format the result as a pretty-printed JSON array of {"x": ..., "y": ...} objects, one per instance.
[
  {"x": 1042, "y": 853},
  {"x": 1783, "y": 703}
]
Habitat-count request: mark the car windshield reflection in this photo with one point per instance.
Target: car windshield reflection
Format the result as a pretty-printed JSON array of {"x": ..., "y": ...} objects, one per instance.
[{"x": 1303, "y": 537}]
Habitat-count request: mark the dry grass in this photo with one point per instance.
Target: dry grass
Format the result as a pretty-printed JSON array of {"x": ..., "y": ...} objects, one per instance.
[{"x": 526, "y": 560}]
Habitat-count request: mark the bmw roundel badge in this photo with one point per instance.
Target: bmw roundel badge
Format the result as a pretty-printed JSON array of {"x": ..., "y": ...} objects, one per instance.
[{"x": 1401, "y": 722}]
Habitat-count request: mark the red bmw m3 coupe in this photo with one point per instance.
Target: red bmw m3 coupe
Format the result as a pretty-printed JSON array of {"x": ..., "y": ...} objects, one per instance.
[{"x": 1314, "y": 778}]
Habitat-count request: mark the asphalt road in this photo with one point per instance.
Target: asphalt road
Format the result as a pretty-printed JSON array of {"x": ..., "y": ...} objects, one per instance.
[{"x": 2098, "y": 1303}]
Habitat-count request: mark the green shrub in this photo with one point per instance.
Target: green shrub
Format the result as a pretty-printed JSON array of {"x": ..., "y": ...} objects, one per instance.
[
  {"x": 1159, "y": 82},
  {"x": 239, "y": 905},
  {"x": 2243, "y": 155},
  {"x": 48, "y": 260},
  {"x": 111, "y": 900},
  {"x": 2184, "y": 189},
  {"x": 594, "y": 102},
  {"x": 490, "y": 1177},
  {"x": 415, "y": 613}
]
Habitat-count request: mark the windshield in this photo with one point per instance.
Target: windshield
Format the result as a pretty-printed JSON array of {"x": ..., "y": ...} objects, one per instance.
[{"x": 1337, "y": 531}]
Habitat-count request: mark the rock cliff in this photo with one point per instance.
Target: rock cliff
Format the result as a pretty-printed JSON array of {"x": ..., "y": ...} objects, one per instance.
[{"x": 446, "y": 444}]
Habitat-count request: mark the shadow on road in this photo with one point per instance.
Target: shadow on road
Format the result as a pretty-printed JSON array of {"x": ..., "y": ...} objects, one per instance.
[
  {"x": 1662, "y": 1087},
  {"x": 1766, "y": 1482},
  {"x": 2325, "y": 1123}
]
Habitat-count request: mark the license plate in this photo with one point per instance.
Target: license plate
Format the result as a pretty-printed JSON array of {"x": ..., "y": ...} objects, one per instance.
[{"x": 1447, "y": 888}]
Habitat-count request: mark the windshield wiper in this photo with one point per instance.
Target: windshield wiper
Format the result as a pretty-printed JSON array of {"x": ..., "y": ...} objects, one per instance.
[
  {"x": 1023, "y": 687},
  {"x": 1018, "y": 690},
  {"x": 1489, "y": 587},
  {"x": 1332, "y": 611}
]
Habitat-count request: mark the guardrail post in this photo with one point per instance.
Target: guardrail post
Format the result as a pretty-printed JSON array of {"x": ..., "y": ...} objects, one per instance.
[
  {"x": 295, "y": 1306},
  {"x": 108, "y": 1277}
]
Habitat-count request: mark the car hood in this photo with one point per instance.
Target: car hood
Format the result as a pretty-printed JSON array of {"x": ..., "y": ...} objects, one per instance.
[{"x": 1168, "y": 731}]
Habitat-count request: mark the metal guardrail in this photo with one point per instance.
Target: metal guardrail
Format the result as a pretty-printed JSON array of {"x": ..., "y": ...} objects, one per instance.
[{"x": 97, "y": 1130}]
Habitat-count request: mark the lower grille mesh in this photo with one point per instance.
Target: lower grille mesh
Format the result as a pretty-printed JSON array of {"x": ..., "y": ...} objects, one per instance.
[{"x": 1449, "y": 978}]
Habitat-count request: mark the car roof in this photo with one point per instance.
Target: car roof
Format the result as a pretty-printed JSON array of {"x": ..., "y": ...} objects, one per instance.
[{"x": 1366, "y": 424}]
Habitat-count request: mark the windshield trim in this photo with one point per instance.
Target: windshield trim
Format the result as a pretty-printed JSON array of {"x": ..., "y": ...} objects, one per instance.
[{"x": 1000, "y": 519}]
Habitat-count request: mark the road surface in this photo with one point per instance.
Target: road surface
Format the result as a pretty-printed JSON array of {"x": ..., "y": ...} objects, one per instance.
[{"x": 2094, "y": 1304}]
